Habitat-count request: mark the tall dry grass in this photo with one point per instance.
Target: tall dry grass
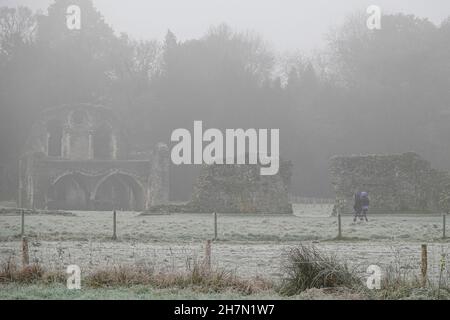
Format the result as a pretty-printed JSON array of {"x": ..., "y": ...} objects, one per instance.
[
  {"x": 306, "y": 267},
  {"x": 198, "y": 277},
  {"x": 11, "y": 272}
]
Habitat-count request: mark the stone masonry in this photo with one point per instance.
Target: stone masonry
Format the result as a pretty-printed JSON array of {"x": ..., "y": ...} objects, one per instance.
[
  {"x": 395, "y": 182},
  {"x": 77, "y": 158},
  {"x": 241, "y": 189}
]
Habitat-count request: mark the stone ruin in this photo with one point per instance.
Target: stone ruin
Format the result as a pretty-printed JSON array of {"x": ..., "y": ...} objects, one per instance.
[
  {"x": 227, "y": 188},
  {"x": 77, "y": 158},
  {"x": 241, "y": 189},
  {"x": 395, "y": 182}
]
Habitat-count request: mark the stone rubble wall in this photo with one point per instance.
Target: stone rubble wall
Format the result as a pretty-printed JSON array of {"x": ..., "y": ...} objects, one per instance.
[
  {"x": 240, "y": 189},
  {"x": 224, "y": 188},
  {"x": 395, "y": 182},
  {"x": 89, "y": 152}
]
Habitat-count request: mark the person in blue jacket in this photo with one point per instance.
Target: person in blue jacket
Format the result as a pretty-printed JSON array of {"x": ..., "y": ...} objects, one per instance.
[
  {"x": 364, "y": 205},
  {"x": 361, "y": 205}
]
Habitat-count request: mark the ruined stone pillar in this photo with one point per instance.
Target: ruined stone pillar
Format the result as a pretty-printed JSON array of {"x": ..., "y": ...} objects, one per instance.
[
  {"x": 65, "y": 144},
  {"x": 90, "y": 146},
  {"x": 114, "y": 147},
  {"x": 158, "y": 184}
]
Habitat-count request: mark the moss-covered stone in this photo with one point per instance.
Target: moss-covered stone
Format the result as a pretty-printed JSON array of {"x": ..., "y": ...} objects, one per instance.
[
  {"x": 237, "y": 189},
  {"x": 396, "y": 182}
]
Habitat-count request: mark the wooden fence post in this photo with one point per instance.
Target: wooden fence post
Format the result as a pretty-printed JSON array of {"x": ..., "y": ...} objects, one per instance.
[
  {"x": 339, "y": 226},
  {"x": 215, "y": 225},
  {"x": 25, "y": 255},
  {"x": 114, "y": 237},
  {"x": 424, "y": 265},
  {"x": 443, "y": 225},
  {"x": 441, "y": 271},
  {"x": 22, "y": 224},
  {"x": 208, "y": 255}
]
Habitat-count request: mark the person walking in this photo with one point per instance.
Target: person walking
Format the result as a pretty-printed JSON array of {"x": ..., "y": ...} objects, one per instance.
[
  {"x": 361, "y": 205},
  {"x": 357, "y": 206},
  {"x": 364, "y": 205}
]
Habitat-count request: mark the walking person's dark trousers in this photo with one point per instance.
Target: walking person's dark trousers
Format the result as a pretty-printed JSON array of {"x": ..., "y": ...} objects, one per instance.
[
  {"x": 357, "y": 213},
  {"x": 364, "y": 214}
]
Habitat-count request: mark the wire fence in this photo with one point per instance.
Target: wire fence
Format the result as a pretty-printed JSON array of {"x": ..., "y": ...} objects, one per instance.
[
  {"x": 247, "y": 260},
  {"x": 225, "y": 227},
  {"x": 251, "y": 245}
]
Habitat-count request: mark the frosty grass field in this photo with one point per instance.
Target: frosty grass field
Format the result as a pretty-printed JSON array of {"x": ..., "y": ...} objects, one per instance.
[{"x": 248, "y": 245}]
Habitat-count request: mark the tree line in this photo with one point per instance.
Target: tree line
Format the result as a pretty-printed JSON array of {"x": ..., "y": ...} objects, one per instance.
[{"x": 367, "y": 91}]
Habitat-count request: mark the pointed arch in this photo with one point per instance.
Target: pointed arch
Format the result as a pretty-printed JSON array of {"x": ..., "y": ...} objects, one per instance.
[
  {"x": 119, "y": 190},
  {"x": 103, "y": 147},
  {"x": 54, "y": 138},
  {"x": 68, "y": 192}
]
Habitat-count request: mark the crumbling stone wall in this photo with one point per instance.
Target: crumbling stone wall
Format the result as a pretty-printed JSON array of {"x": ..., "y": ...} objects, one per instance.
[
  {"x": 158, "y": 192},
  {"x": 240, "y": 189},
  {"x": 76, "y": 132},
  {"x": 76, "y": 158},
  {"x": 226, "y": 188},
  {"x": 395, "y": 182}
]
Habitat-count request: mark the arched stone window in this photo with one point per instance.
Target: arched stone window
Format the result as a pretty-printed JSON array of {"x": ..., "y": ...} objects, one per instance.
[
  {"x": 78, "y": 117},
  {"x": 103, "y": 142},
  {"x": 119, "y": 191},
  {"x": 54, "y": 142},
  {"x": 68, "y": 193}
]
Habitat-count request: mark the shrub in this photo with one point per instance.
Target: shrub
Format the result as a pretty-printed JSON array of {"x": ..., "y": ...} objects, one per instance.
[
  {"x": 197, "y": 276},
  {"x": 119, "y": 276},
  {"x": 10, "y": 272},
  {"x": 307, "y": 268}
]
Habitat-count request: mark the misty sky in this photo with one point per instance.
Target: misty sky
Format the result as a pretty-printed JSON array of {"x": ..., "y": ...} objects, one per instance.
[{"x": 286, "y": 24}]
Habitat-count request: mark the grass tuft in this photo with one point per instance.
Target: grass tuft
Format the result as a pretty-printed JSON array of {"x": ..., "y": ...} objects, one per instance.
[
  {"x": 197, "y": 277},
  {"x": 306, "y": 268},
  {"x": 10, "y": 272}
]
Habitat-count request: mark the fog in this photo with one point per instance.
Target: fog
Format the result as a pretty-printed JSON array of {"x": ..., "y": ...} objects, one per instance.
[
  {"x": 311, "y": 69},
  {"x": 286, "y": 24}
]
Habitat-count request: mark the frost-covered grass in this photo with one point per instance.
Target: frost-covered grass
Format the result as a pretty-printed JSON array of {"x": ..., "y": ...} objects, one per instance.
[
  {"x": 251, "y": 246},
  {"x": 59, "y": 291},
  {"x": 310, "y": 222},
  {"x": 247, "y": 259},
  {"x": 137, "y": 292}
]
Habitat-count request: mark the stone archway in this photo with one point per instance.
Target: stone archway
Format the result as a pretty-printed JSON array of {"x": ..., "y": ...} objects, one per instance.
[
  {"x": 103, "y": 144},
  {"x": 68, "y": 192},
  {"x": 54, "y": 138},
  {"x": 118, "y": 191}
]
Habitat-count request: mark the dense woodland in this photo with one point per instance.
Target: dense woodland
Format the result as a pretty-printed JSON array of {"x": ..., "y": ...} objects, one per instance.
[{"x": 380, "y": 91}]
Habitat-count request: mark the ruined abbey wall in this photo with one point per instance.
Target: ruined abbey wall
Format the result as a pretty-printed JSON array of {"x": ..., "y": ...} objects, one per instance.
[
  {"x": 236, "y": 188},
  {"x": 241, "y": 189},
  {"x": 396, "y": 182},
  {"x": 76, "y": 159}
]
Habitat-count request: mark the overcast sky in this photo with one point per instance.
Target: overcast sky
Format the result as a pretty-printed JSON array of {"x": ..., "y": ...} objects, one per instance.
[{"x": 286, "y": 24}]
